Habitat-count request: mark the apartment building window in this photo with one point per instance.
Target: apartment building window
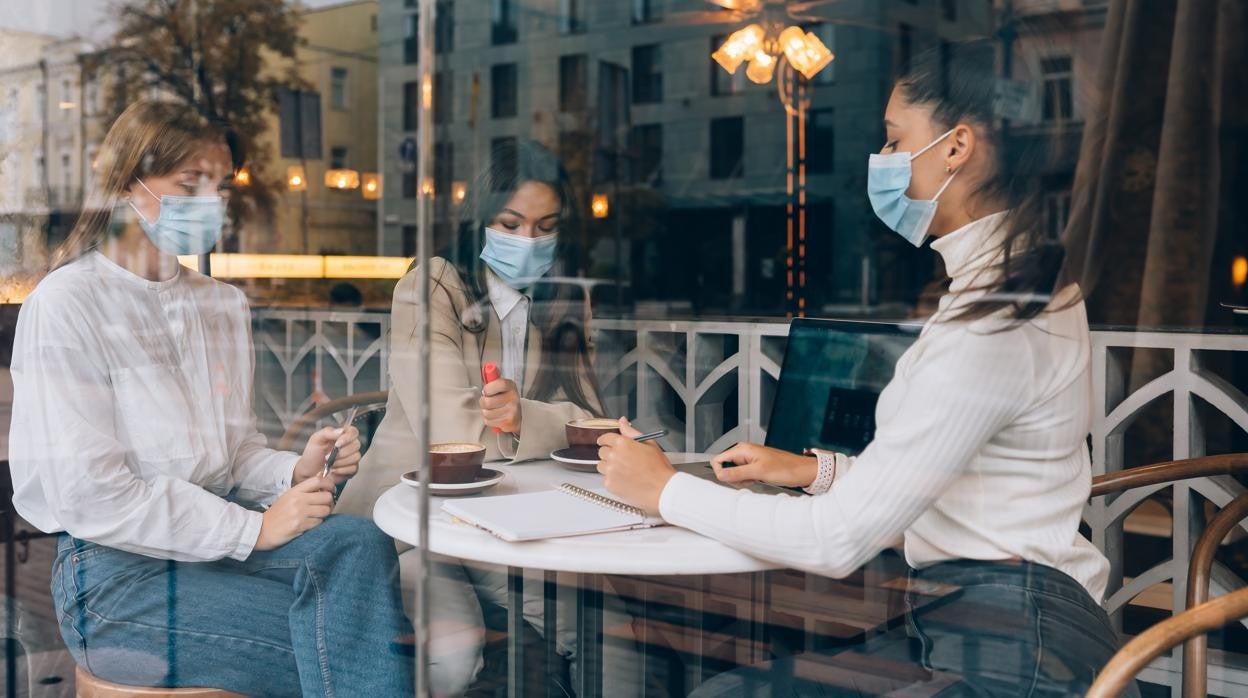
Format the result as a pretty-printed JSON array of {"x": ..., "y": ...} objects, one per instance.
[
  {"x": 411, "y": 104},
  {"x": 646, "y": 144},
  {"x": 1056, "y": 212},
  {"x": 67, "y": 99},
  {"x": 411, "y": 39},
  {"x": 299, "y": 118},
  {"x": 573, "y": 82},
  {"x": 409, "y": 185},
  {"x": 905, "y": 46},
  {"x": 409, "y": 240},
  {"x": 443, "y": 167},
  {"x": 91, "y": 103},
  {"x": 820, "y": 141},
  {"x": 949, "y": 10},
  {"x": 503, "y": 26},
  {"x": 647, "y": 74},
  {"x": 67, "y": 179},
  {"x": 39, "y": 171},
  {"x": 41, "y": 102},
  {"x": 503, "y": 95},
  {"x": 444, "y": 28},
  {"x": 1056, "y": 75},
  {"x": 724, "y": 83},
  {"x": 571, "y": 16},
  {"x": 646, "y": 11},
  {"x": 338, "y": 87},
  {"x": 443, "y": 96},
  {"x": 338, "y": 157},
  {"x": 727, "y": 147}
]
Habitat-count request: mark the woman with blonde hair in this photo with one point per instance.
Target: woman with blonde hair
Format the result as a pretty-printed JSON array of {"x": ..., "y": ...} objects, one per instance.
[{"x": 190, "y": 554}]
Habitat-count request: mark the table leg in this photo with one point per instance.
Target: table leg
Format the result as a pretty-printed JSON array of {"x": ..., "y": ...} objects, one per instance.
[
  {"x": 589, "y": 635},
  {"x": 515, "y": 632},
  {"x": 550, "y": 597}
]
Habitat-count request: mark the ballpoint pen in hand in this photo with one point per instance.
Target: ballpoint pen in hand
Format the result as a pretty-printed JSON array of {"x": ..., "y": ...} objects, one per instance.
[
  {"x": 333, "y": 452},
  {"x": 650, "y": 436}
]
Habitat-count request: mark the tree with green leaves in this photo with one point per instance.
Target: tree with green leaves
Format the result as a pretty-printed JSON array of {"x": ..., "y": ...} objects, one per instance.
[{"x": 225, "y": 58}]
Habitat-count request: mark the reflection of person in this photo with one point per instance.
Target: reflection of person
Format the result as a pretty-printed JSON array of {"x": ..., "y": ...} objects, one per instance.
[
  {"x": 979, "y": 461},
  {"x": 481, "y": 311},
  {"x": 134, "y": 435}
]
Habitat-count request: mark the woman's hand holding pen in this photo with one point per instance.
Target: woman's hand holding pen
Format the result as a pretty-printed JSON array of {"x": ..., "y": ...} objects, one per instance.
[
  {"x": 312, "y": 462},
  {"x": 748, "y": 462},
  {"x": 297, "y": 511},
  {"x": 500, "y": 405},
  {"x": 635, "y": 472}
]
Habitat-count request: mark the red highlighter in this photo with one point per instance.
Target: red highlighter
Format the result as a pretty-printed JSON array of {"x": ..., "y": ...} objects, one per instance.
[{"x": 489, "y": 373}]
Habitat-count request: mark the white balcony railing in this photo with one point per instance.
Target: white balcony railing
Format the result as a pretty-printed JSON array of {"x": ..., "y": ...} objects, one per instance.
[{"x": 710, "y": 384}]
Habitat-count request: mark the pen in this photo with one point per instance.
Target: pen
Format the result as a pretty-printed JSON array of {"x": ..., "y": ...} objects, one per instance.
[
  {"x": 651, "y": 436},
  {"x": 333, "y": 452}
]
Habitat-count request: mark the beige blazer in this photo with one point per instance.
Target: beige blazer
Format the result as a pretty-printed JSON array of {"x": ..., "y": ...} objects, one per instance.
[{"x": 456, "y": 357}]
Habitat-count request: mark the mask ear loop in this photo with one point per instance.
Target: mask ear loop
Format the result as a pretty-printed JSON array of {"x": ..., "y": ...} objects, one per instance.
[
  {"x": 945, "y": 185},
  {"x": 931, "y": 145}
]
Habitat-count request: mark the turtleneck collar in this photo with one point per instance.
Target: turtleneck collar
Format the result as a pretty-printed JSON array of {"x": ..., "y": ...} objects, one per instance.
[{"x": 971, "y": 247}]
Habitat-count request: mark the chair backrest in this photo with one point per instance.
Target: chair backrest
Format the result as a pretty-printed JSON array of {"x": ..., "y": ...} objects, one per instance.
[
  {"x": 1152, "y": 643},
  {"x": 372, "y": 407}
]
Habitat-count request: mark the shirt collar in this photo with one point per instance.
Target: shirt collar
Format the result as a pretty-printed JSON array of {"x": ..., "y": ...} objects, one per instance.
[
  {"x": 108, "y": 266},
  {"x": 972, "y": 246},
  {"x": 503, "y": 297}
]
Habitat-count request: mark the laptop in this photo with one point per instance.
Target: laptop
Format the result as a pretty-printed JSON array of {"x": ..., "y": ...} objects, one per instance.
[{"x": 830, "y": 381}]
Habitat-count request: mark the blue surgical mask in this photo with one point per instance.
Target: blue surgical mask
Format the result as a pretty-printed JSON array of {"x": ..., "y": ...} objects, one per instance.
[
  {"x": 186, "y": 224},
  {"x": 888, "y": 178},
  {"x": 519, "y": 260}
]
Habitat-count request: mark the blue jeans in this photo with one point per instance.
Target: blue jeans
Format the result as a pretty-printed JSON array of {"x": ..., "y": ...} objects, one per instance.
[
  {"x": 316, "y": 617},
  {"x": 1012, "y": 629}
]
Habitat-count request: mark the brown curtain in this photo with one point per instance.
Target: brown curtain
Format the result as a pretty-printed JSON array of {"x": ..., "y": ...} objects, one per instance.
[
  {"x": 1158, "y": 206},
  {"x": 1160, "y": 198}
]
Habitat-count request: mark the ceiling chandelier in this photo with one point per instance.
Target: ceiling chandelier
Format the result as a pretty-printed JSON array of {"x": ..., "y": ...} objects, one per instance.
[{"x": 762, "y": 49}]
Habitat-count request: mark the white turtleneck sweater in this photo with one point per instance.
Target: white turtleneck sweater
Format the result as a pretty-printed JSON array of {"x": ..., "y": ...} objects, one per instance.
[{"x": 979, "y": 450}]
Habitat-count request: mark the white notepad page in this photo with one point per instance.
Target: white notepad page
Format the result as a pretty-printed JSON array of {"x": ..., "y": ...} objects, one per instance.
[{"x": 555, "y": 513}]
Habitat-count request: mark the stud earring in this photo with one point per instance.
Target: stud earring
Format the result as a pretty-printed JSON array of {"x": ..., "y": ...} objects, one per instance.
[{"x": 948, "y": 168}]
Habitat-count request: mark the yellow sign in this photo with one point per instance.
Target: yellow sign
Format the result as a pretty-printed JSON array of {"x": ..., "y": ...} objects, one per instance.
[{"x": 301, "y": 266}]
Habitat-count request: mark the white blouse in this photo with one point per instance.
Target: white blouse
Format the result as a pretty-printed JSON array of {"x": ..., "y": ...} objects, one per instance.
[
  {"x": 980, "y": 451},
  {"x": 132, "y": 414},
  {"x": 512, "y": 307}
]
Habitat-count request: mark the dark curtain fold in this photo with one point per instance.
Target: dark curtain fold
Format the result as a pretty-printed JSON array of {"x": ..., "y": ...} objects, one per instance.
[
  {"x": 1158, "y": 206},
  {"x": 1160, "y": 196}
]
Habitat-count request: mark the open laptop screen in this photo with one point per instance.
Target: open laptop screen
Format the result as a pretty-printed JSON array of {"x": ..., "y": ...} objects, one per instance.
[{"x": 830, "y": 381}]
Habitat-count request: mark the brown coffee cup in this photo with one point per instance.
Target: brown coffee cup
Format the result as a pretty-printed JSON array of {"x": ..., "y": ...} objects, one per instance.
[
  {"x": 455, "y": 462},
  {"x": 583, "y": 434}
]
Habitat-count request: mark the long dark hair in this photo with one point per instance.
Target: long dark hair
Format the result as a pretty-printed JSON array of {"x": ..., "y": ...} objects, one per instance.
[
  {"x": 557, "y": 312},
  {"x": 959, "y": 82}
]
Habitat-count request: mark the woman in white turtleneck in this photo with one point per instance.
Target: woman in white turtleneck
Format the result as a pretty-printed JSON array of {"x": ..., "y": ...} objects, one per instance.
[{"x": 980, "y": 462}]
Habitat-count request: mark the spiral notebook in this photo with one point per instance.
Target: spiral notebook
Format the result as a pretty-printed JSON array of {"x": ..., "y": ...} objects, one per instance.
[{"x": 567, "y": 510}]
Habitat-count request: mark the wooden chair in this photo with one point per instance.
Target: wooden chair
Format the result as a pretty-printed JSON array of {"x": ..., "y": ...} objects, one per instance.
[
  {"x": 371, "y": 403},
  {"x": 1155, "y": 641},
  {"x": 89, "y": 686},
  {"x": 1167, "y": 634}
]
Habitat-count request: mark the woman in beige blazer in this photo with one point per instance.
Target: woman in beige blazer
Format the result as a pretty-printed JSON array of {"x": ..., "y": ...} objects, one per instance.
[{"x": 487, "y": 305}]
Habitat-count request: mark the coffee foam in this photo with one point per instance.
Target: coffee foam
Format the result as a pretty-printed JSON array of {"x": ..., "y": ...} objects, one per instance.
[
  {"x": 456, "y": 448},
  {"x": 596, "y": 423}
]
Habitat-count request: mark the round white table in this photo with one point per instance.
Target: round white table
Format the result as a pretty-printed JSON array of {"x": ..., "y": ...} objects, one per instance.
[{"x": 664, "y": 550}]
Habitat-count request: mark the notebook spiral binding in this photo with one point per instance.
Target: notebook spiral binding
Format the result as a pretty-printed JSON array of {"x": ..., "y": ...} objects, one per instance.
[{"x": 600, "y": 500}]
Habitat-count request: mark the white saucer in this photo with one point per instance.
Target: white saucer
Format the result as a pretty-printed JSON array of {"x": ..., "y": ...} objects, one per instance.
[
  {"x": 487, "y": 479},
  {"x": 584, "y": 465}
]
